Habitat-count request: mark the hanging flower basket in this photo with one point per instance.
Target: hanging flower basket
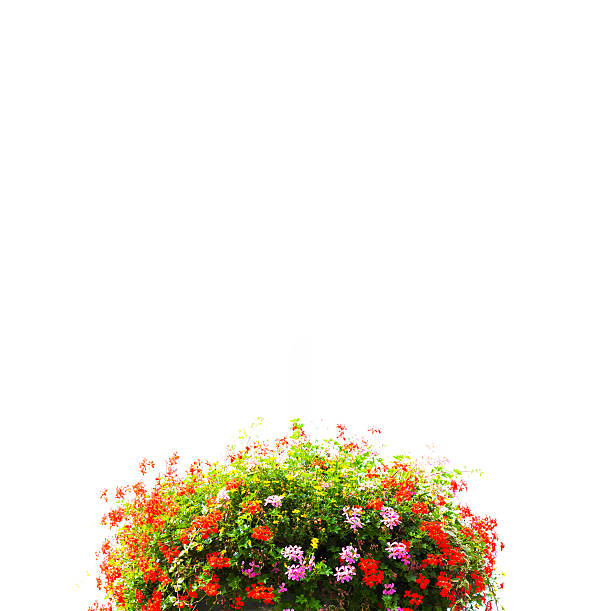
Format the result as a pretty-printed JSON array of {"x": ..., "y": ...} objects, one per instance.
[{"x": 298, "y": 524}]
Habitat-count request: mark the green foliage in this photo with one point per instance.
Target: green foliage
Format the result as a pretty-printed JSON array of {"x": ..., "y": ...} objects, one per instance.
[{"x": 220, "y": 533}]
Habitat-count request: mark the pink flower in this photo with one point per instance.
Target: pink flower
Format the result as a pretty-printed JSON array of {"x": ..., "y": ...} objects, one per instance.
[
  {"x": 349, "y": 554},
  {"x": 222, "y": 495},
  {"x": 389, "y": 589},
  {"x": 296, "y": 572},
  {"x": 352, "y": 517},
  {"x": 293, "y": 552},
  {"x": 274, "y": 500},
  {"x": 390, "y": 517},
  {"x": 398, "y": 551},
  {"x": 253, "y": 571},
  {"x": 345, "y": 573}
]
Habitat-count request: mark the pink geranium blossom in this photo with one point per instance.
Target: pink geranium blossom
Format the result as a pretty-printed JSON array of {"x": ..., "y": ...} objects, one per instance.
[
  {"x": 293, "y": 552},
  {"x": 349, "y": 554},
  {"x": 345, "y": 573},
  {"x": 390, "y": 517},
  {"x": 275, "y": 500}
]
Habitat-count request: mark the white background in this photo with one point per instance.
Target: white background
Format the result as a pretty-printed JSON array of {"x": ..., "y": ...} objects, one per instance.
[{"x": 384, "y": 213}]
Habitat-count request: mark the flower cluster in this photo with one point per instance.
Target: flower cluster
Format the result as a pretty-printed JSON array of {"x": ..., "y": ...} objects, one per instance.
[
  {"x": 253, "y": 570},
  {"x": 263, "y": 533},
  {"x": 349, "y": 554},
  {"x": 275, "y": 500},
  {"x": 386, "y": 534},
  {"x": 351, "y": 515},
  {"x": 389, "y": 589},
  {"x": 372, "y": 575},
  {"x": 297, "y": 572},
  {"x": 217, "y": 561},
  {"x": 390, "y": 517},
  {"x": 293, "y": 552},
  {"x": 260, "y": 592},
  {"x": 345, "y": 573},
  {"x": 398, "y": 551}
]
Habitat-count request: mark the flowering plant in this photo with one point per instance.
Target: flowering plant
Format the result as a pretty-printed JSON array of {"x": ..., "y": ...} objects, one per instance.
[{"x": 298, "y": 524}]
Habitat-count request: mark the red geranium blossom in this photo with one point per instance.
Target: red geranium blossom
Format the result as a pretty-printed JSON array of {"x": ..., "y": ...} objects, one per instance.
[{"x": 263, "y": 533}]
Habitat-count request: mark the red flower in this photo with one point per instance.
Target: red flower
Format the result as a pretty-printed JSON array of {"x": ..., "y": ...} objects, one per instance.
[
  {"x": 404, "y": 492},
  {"x": 376, "y": 504},
  {"x": 263, "y": 533},
  {"x": 433, "y": 559},
  {"x": 252, "y": 507},
  {"x": 413, "y": 598},
  {"x": 212, "y": 587},
  {"x": 420, "y": 508},
  {"x": 445, "y": 585},
  {"x": 436, "y": 533},
  {"x": 207, "y": 525},
  {"x": 455, "y": 556},
  {"x": 260, "y": 592},
  {"x": 217, "y": 562},
  {"x": 372, "y": 574},
  {"x": 233, "y": 483},
  {"x": 422, "y": 581},
  {"x": 144, "y": 464}
]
